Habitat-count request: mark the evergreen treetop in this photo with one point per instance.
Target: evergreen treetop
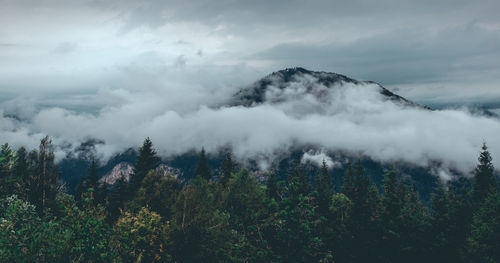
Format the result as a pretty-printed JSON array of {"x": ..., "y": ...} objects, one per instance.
[
  {"x": 484, "y": 180},
  {"x": 202, "y": 169}
]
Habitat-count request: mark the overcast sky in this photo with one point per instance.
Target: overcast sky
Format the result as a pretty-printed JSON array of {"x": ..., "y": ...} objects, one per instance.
[
  {"x": 122, "y": 70},
  {"x": 70, "y": 53}
]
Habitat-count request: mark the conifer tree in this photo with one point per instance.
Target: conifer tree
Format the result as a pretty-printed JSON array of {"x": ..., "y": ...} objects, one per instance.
[
  {"x": 21, "y": 172},
  {"x": 147, "y": 160},
  {"x": 325, "y": 189},
  {"x": 7, "y": 160},
  {"x": 484, "y": 180},
  {"x": 44, "y": 183},
  {"x": 348, "y": 186},
  {"x": 298, "y": 184},
  {"x": 118, "y": 195},
  {"x": 228, "y": 168},
  {"x": 91, "y": 181},
  {"x": 483, "y": 244},
  {"x": 8, "y": 182},
  {"x": 272, "y": 187},
  {"x": 450, "y": 219},
  {"x": 202, "y": 169}
]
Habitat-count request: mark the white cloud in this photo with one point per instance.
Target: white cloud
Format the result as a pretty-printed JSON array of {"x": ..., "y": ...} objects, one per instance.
[
  {"x": 317, "y": 158},
  {"x": 348, "y": 118}
]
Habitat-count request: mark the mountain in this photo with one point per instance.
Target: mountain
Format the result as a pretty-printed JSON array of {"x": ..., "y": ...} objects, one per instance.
[
  {"x": 310, "y": 82},
  {"x": 279, "y": 87}
]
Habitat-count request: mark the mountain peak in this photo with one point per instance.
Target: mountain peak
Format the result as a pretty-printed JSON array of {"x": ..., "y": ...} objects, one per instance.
[{"x": 308, "y": 81}]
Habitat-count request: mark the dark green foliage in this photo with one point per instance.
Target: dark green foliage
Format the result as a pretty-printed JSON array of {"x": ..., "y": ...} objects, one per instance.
[
  {"x": 159, "y": 193},
  {"x": 91, "y": 181},
  {"x": 118, "y": 196},
  {"x": 21, "y": 172},
  {"x": 348, "y": 186},
  {"x": 202, "y": 169},
  {"x": 484, "y": 241},
  {"x": 9, "y": 181},
  {"x": 200, "y": 230},
  {"x": 298, "y": 183},
  {"x": 272, "y": 191},
  {"x": 44, "y": 176},
  {"x": 364, "y": 216},
  {"x": 324, "y": 188},
  {"x": 228, "y": 168},
  {"x": 450, "y": 222},
  {"x": 147, "y": 160},
  {"x": 239, "y": 220},
  {"x": 484, "y": 181}
]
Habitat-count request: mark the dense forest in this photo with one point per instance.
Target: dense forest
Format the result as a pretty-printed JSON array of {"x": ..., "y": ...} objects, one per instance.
[{"x": 230, "y": 217}]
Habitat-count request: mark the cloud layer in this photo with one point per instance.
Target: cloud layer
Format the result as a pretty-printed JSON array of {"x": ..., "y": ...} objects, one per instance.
[{"x": 355, "y": 119}]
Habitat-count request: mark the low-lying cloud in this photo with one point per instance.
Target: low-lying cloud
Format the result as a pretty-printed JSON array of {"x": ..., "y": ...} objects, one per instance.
[{"x": 350, "y": 118}]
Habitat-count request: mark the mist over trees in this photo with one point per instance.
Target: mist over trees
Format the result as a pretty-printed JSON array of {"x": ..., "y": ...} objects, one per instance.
[{"x": 223, "y": 214}]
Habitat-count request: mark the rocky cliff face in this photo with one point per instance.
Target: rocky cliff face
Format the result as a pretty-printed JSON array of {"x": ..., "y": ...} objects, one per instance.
[
  {"x": 125, "y": 170},
  {"x": 122, "y": 169}
]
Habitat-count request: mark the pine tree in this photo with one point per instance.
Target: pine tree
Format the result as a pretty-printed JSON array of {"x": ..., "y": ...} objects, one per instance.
[
  {"x": 272, "y": 187},
  {"x": 118, "y": 195},
  {"x": 363, "y": 218},
  {"x": 450, "y": 220},
  {"x": 202, "y": 169},
  {"x": 484, "y": 181},
  {"x": 325, "y": 190},
  {"x": 348, "y": 186},
  {"x": 298, "y": 184},
  {"x": 91, "y": 181},
  {"x": 483, "y": 245},
  {"x": 147, "y": 160},
  {"x": 21, "y": 172},
  {"x": 8, "y": 183},
  {"x": 7, "y": 160},
  {"x": 228, "y": 168},
  {"x": 44, "y": 184}
]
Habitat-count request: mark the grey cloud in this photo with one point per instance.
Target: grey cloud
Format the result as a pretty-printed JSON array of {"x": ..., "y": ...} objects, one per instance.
[
  {"x": 66, "y": 47},
  {"x": 399, "y": 57},
  {"x": 180, "y": 61},
  {"x": 128, "y": 78},
  {"x": 353, "y": 118},
  {"x": 295, "y": 14},
  {"x": 7, "y": 44}
]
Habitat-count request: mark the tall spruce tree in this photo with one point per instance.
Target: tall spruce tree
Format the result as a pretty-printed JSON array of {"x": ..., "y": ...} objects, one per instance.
[
  {"x": 7, "y": 160},
  {"x": 8, "y": 183},
  {"x": 348, "y": 186},
  {"x": 91, "y": 181},
  {"x": 147, "y": 160},
  {"x": 298, "y": 183},
  {"x": 21, "y": 172},
  {"x": 484, "y": 180},
  {"x": 324, "y": 187},
  {"x": 119, "y": 194},
  {"x": 45, "y": 177},
  {"x": 483, "y": 244},
  {"x": 202, "y": 169},
  {"x": 228, "y": 168},
  {"x": 272, "y": 187}
]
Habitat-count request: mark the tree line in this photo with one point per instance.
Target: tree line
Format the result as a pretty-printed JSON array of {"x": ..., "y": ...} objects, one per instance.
[{"x": 233, "y": 218}]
